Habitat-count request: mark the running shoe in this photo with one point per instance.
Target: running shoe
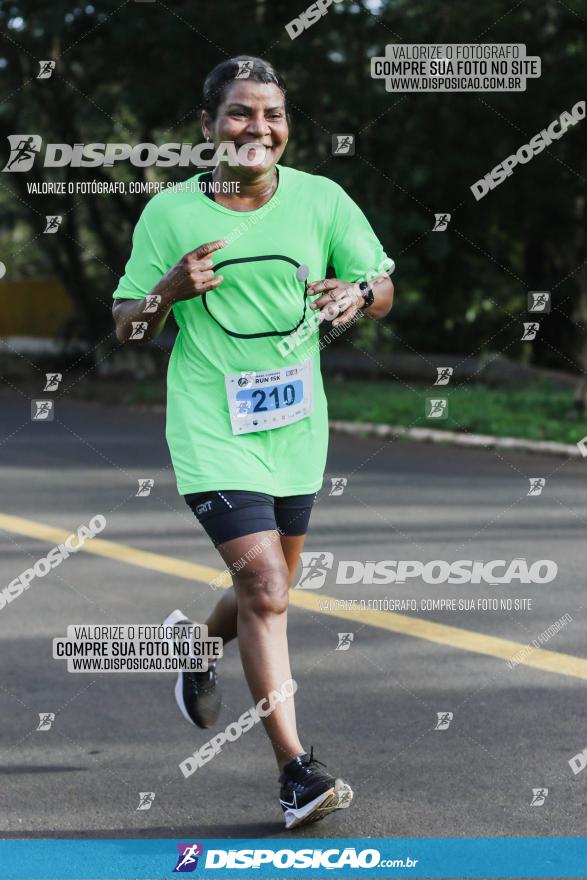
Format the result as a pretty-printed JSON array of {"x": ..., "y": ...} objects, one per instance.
[
  {"x": 309, "y": 793},
  {"x": 196, "y": 693}
]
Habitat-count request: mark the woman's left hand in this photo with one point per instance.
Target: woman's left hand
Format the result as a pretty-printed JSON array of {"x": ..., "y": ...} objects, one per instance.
[{"x": 340, "y": 300}]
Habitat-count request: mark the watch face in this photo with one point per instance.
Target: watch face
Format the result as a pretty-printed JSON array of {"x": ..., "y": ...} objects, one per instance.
[{"x": 368, "y": 296}]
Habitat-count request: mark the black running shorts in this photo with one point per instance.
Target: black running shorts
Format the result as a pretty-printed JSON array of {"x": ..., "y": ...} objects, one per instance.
[{"x": 233, "y": 513}]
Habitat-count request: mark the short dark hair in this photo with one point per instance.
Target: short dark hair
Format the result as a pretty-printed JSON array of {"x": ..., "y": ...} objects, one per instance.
[{"x": 225, "y": 73}]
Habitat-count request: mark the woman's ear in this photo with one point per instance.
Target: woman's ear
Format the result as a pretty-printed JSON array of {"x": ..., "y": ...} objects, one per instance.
[{"x": 205, "y": 123}]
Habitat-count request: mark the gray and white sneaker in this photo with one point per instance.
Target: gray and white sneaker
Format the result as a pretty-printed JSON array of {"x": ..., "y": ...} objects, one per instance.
[
  {"x": 309, "y": 793},
  {"x": 196, "y": 693}
]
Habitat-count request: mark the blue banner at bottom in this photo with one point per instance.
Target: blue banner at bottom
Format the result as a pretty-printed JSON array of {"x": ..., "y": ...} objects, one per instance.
[{"x": 501, "y": 857}]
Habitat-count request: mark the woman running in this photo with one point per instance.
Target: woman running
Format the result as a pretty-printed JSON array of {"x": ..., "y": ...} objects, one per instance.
[{"x": 230, "y": 252}]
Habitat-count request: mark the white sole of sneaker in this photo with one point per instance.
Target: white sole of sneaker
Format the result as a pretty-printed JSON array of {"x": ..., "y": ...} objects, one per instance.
[{"x": 337, "y": 798}]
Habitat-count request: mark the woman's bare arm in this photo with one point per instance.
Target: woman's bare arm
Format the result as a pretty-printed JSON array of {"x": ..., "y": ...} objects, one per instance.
[{"x": 139, "y": 320}]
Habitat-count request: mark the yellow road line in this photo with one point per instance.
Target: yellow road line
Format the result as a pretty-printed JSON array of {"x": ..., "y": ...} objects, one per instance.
[
  {"x": 122, "y": 552},
  {"x": 440, "y": 633}
]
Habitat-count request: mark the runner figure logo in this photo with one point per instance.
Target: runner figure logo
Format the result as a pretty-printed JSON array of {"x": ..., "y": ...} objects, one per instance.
[
  {"x": 53, "y": 222},
  {"x": 145, "y": 486},
  {"x": 344, "y": 641},
  {"x": 138, "y": 329},
  {"x": 343, "y": 145},
  {"x": 23, "y": 149},
  {"x": 46, "y": 69},
  {"x": 338, "y": 485},
  {"x": 245, "y": 69},
  {"x": 531, "y": 329},
  {"x": 444, "y": 375},
  {"x": 441, "y": 222},
  {"x": 444, "y": 719},
  {"x": 539, "y": 795},
  {"x": 539, "y": 301},
  {"x": 42, "y": 410},
  {"x": 53, "y": 380},
  {"x": 188, "y": 857},
  {"x": 152, "y": 302},
  {"x": 46, "y": 720},
  {"x": 437, "y": 408},
  {"x": 315, "y": 567},
  {"x": 537, "y": 484},
  {"x": 146, "y": 800}
]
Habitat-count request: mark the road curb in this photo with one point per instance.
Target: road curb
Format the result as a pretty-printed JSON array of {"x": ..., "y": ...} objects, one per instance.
[{"x": 454, "y": 438}]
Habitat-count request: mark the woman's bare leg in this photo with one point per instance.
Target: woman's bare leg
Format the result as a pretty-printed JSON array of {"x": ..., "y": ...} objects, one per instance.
[
  {"x": 222, "y": 621},
  {"x": 261, "y": 595}
]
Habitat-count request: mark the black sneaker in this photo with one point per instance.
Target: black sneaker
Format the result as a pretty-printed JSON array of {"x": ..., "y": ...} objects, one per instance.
[
  {"x": 196, "y": 693},
  {"x": 309, "y": 793}
]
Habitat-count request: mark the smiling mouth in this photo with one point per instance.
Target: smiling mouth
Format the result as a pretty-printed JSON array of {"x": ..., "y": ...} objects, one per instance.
[{"x": 252, "y": 151}]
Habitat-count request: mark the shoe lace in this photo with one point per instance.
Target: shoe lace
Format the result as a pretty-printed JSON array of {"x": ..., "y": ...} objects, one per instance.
[{"x": 314, "y": 760}]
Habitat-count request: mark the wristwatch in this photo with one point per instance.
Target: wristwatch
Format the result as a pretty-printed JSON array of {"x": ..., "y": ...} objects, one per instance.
[{"x": 368, "y": 295}]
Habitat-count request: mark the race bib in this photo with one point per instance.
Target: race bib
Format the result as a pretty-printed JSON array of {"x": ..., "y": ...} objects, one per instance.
[{"x": 260, "y": 401}]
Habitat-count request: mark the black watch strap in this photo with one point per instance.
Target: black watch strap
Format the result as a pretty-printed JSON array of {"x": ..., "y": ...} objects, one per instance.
[{"x": 368, "y": 295}]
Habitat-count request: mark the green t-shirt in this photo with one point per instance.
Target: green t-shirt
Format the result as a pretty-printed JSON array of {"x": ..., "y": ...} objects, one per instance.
[{"x": 308, "y": 221}]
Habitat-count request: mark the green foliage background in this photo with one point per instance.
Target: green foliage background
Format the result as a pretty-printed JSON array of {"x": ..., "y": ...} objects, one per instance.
[{"x": 133, "y": 71}]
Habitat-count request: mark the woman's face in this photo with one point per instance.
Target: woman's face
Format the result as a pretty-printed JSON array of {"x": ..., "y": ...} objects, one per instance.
[{"x": 251, "y": 113}]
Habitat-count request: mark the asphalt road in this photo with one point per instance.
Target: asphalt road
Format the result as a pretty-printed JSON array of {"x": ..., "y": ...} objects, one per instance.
[{"x": 370, "y": 712}]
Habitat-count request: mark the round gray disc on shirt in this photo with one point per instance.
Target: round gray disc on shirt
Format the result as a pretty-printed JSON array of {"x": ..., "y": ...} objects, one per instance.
[{"x": 302, "y": 273}]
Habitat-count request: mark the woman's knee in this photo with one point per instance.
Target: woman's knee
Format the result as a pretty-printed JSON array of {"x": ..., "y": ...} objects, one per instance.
[{"x": 263, "y": 590}]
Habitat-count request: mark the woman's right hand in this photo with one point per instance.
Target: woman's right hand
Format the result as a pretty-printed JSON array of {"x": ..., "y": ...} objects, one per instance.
[{"x": 191, "y": 276}]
